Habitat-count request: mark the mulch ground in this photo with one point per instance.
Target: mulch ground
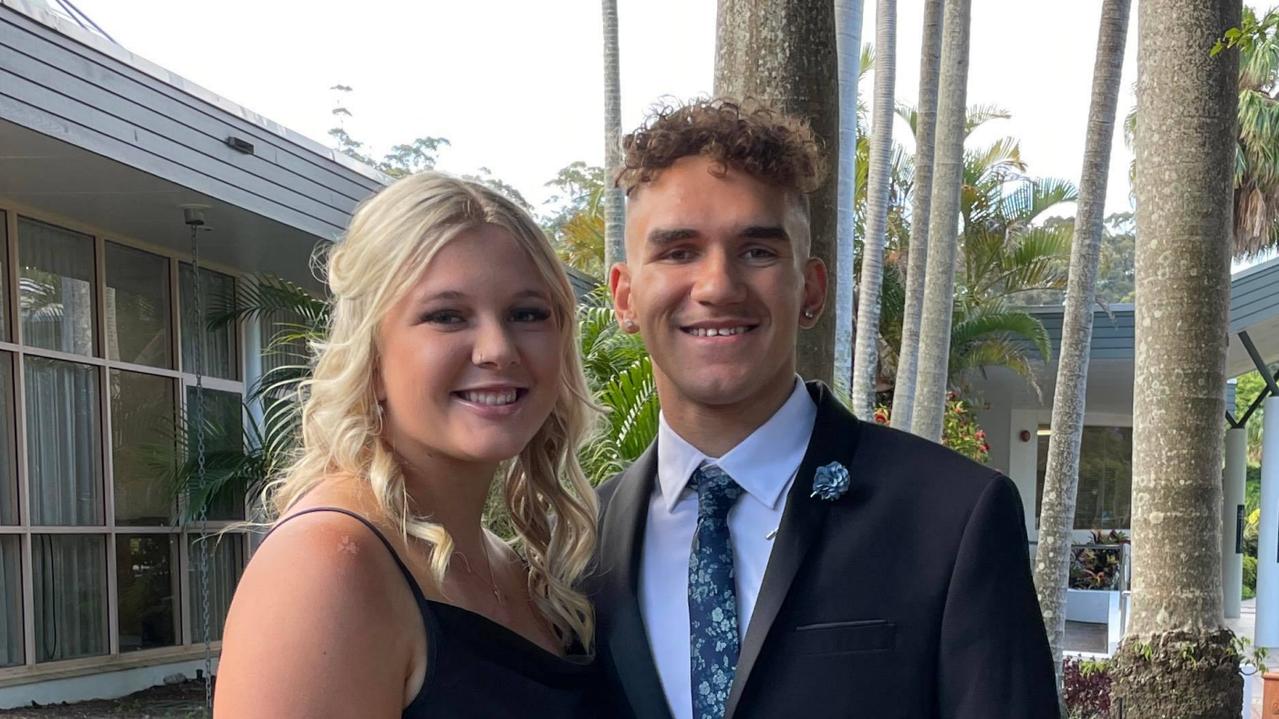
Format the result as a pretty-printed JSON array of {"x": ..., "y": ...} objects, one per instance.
[{"x": 177, "y": 701}]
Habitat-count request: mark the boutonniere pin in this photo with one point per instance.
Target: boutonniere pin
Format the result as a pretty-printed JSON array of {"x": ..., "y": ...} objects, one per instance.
[{"x": 830, "y": 482}]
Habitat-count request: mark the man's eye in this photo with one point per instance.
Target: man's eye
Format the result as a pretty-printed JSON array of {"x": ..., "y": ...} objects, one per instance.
[
  {"x": 531, "y": 314},
  {"x": 759, "y": 253},
  {"x": 679, "y": 255}
]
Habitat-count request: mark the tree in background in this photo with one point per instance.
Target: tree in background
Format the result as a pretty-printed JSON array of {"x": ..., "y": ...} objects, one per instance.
[
  {"x": 935, "y": 324},
  {"x": 866, "y": 357},
  {"x": 1061, "y": 480},
  {"x": 614, "y": 202},
  {"x": 848, "y": 33},
  {"x": 917, "y": 251},
  {"x": 782, "y": 52},
  {"x": 1177, "y": 658}
]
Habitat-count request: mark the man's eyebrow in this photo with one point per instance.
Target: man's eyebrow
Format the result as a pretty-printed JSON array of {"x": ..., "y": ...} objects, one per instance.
[
  {"x": 765, "y": 232},
  {"x": 665, "y": 237}
]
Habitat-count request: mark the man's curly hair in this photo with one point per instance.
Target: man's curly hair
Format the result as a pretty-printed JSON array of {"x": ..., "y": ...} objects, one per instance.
[{"x": 773, "y": 147}]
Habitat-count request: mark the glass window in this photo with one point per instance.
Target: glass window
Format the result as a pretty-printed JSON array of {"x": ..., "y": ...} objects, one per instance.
[
  {"x": 223, "y": 438},
  {"x": 4, "y": 277},
  {"x": 143, "y": 446},
  {"x": 225, "y": 562},
  {"x": 1104, "y": 498},
  {"x": 56, "y": 287},
  {"x": 137, "y": 299},
  {"x": 10, "y": 601},
  {"x": 146, "y": 584},
  {"x": 64, "y": 442},
  {"x": 217, "y": 292},
  {"x": 69, "y": 582},
  {"x": 8, "y": 444}
]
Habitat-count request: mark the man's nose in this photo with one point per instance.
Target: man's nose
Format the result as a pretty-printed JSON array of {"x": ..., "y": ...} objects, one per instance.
[{"x": 718, "y": 280}]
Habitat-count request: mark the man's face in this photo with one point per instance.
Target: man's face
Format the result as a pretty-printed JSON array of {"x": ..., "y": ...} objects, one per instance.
[{"x": 718, "y": 283}]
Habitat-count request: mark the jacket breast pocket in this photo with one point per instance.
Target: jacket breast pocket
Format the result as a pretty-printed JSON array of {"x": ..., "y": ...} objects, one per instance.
[{"x": 855, "y": 637}]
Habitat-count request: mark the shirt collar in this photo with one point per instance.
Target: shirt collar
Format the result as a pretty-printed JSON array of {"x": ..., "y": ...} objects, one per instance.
[{"x": 762, "y": 464}]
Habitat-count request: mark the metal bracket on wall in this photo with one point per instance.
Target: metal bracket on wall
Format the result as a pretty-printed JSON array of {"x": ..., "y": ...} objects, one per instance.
[{"x": 1272, "y": 383}]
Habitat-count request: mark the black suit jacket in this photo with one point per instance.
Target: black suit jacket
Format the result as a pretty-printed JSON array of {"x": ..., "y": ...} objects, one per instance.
[{"x": 909, "y": 596}]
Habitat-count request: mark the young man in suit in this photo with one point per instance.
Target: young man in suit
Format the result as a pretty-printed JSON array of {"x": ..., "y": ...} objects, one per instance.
[{"x": 770, "y": 555}]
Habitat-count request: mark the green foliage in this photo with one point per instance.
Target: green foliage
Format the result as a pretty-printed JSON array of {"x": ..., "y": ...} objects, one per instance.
[
  {"x": 960, "y": 430},
  {"x": 1256, "y": 177},
  {"x": 575, "y": 223},
  {"x": 1007, "y": 256},
  {"x": 619, "y": 374}
]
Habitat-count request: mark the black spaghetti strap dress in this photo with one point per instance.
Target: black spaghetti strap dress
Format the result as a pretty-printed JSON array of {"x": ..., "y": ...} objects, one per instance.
[{"x": 477, "y": 668}]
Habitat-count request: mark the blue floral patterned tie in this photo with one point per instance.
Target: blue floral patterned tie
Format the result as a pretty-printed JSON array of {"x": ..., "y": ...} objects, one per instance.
[{"x": 712, "y": 596}]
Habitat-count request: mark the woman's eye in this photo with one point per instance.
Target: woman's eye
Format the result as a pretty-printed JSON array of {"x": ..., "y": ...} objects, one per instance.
[
  {"x": 443, "y": 317},
  {"x": 531, "y": 314}
]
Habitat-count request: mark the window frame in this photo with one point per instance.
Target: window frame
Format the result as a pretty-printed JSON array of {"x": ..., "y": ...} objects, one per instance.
[{"x": 188, "y": 643}]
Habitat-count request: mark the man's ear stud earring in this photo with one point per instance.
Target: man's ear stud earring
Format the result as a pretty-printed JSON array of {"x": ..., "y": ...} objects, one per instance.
[
  {"x": 809, "y": 314},
  {"x": 629, "y": 325}
]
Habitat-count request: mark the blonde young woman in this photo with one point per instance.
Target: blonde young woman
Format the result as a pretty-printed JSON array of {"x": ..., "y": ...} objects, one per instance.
[{"x": 378, "y": 592}]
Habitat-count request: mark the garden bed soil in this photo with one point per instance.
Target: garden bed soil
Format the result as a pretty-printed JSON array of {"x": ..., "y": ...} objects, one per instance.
[{"x": 176, "y": 701}]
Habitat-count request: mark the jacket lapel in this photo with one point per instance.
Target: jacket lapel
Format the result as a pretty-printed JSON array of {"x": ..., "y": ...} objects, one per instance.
[
  {"x": 834, "y": 439},
  {"x": 621, "y": 537}
]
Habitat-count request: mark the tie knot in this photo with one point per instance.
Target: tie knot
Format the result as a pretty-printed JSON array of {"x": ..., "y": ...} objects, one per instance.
[{"x": 716, "y": 491}]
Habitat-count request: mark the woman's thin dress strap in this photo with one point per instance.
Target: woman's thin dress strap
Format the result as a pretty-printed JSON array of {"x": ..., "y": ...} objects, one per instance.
[{"x": 417, "y": 707}]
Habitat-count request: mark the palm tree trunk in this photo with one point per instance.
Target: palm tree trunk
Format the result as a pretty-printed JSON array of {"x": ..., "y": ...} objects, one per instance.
[
  {"x": 866, "y": 361},
  {"x": 1057, "y": 516},
  {"x": 614, "y": 204},
  {"x": 943, "y": 225},
  {"x": 782, "y": 52},
  {"x": 1185, "y": 144},
  {"x": 917, "y": 252},
  {"x": 848, "y": 42}
]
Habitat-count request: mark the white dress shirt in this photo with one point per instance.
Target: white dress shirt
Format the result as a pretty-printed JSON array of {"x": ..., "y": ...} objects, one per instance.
[{"x": 764, "y": 464}]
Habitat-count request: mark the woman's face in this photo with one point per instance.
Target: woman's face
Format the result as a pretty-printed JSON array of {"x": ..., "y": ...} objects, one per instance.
[{"x": 470, "y": 356}]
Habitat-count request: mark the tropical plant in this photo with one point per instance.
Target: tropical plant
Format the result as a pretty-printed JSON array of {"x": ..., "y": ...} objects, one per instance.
[
  {"x": 619, "y": 374},
  {"x": 245, "y": 464},
  {"x": 1006, "y": 256},
  {"x": 960, "y": 430},
  {"x": 1255, "y": 226}
]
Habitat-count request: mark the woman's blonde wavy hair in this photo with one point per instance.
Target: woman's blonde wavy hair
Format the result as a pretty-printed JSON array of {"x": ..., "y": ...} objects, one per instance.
[{"x": 391, "y": 240}]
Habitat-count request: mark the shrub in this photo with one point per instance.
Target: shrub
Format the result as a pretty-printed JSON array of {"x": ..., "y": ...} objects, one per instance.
[
  {"x": 1086, "y": 684},
  {"x": 960, "y": 430}
]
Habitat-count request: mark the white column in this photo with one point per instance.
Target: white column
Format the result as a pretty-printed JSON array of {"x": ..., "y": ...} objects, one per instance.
[
  {"x": 1267, "y": 630},
  {"x": 1232, "y": 486}
]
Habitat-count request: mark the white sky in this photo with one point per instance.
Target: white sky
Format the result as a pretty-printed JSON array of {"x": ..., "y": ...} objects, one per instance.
[{"x": 516, "y": 86}]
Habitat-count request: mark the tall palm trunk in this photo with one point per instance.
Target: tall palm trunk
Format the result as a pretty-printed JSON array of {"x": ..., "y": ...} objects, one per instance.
[
  {"x": 943, "y": 225},
  {"x": 614, "y": 204},
  {"x": 782, "y": 52},
  {"x": 1057, "y": 516},
  {"x": 1177, "y": 658},
  {"x": 866, "y": 361},
  {"x": 917, "y": 251},
  {"x": 848, "y": 41}
]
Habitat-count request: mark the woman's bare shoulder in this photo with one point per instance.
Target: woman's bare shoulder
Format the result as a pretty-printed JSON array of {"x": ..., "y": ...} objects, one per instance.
[{"x": 321, "y": 615}]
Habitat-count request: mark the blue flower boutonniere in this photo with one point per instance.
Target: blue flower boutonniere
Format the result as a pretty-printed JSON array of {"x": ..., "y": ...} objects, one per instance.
[{"x": 830, "y": 482}]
